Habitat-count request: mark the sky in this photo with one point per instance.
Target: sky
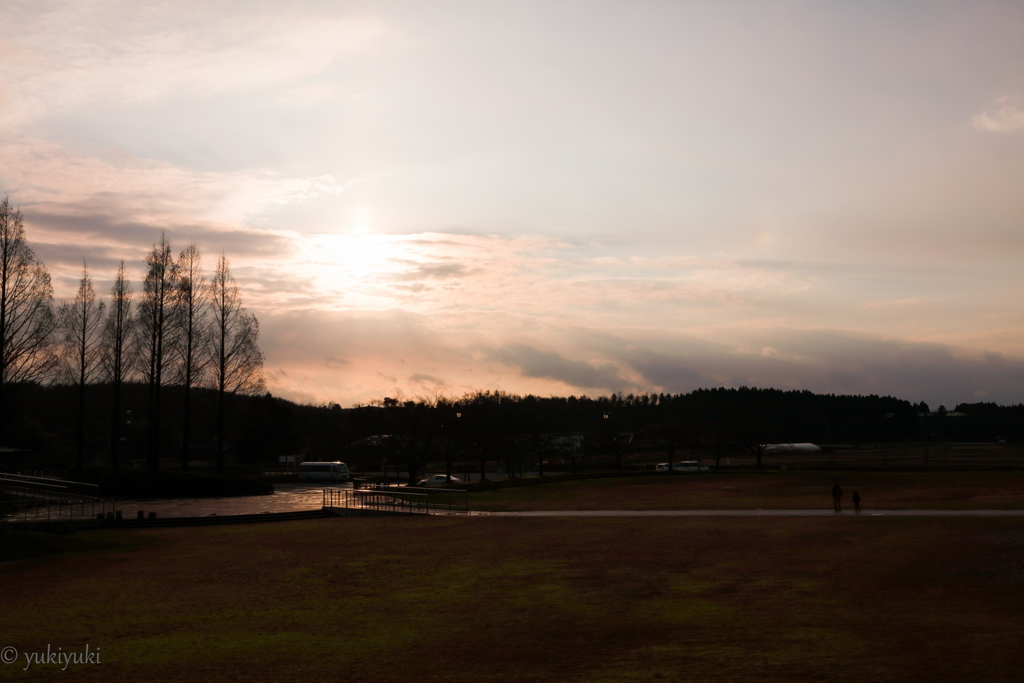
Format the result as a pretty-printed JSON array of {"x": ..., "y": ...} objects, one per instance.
[{"x": 553, "y": 197}]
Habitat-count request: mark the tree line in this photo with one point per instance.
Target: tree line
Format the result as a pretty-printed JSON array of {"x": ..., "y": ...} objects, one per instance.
[
  {"x": 182, "y": 329},
  {"x": 486, "y": 428}
]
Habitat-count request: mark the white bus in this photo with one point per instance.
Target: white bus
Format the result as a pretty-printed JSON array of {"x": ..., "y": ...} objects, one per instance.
[{"x": 323, "y": 471}]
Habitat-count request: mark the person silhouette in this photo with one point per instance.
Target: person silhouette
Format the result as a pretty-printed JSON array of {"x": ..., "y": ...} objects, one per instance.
[
  {"x": 837, "y": 496},
  {"x": 856, "y": 501}
]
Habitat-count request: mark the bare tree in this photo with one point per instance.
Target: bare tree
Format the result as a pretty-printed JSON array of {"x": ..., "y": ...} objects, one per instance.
[
  {"x": 612, "y": 439},
  {"x": 451, "y": 434},
  {"x": 483, "y": 426},
  {"x": 236, "y": 359},
  {"x": 492, "y": 428},
  {"x": 81, "y": 321},
  {"x": 542, "y": 444},
  {"x": 721, "y": 440},
  {"x": 191, "y": 314},
  {"x": 117, "y": 353},
  {"x": 672, "y": 438},
  {"x": 416, "y": 428},
  {"x": 27, "y": 322},
  {"x": 572, "y": 447},
  {"x": 755, "y": 437},
  {"x": 154, "y": 335}
]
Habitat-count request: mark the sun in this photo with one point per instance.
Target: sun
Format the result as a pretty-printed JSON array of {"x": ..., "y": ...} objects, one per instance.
[{"x": 354, "y": 259}]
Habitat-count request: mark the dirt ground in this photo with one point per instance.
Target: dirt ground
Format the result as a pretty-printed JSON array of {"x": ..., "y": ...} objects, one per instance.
[
  {"x": 514, "y": 599},
  {"x": 787, "y": 490}
]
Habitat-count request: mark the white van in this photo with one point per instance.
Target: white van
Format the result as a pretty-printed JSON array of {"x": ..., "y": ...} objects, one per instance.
[{"x": 323, "y": 471}]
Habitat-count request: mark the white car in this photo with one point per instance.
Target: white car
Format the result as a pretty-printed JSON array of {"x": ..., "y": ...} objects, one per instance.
[{"x": 436, "y": 479}]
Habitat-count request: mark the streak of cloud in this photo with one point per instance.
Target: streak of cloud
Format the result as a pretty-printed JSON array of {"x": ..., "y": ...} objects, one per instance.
[
  {"x": 549, "y": 365},
  {"x": 1006, "y": 117}
]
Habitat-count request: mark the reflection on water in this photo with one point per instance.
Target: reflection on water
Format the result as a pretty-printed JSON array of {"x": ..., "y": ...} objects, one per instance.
[{"x": 288, "y": 497}]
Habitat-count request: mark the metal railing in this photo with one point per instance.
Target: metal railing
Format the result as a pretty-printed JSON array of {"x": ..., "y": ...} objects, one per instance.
[
  {"x": 77, "y": 487},
  {"x": 39, "y": 498},
  {"x": 456, "y": 500},
  {"x": 397, "y": 500}
]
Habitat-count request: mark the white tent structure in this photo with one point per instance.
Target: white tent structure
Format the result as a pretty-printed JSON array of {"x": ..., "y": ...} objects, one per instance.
[{"x": 792, "y": 448}]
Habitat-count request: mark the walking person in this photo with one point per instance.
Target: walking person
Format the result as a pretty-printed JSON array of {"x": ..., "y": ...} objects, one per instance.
[
  {"x": 856, "y": 501},
  {"x": 837, "y": 496}
]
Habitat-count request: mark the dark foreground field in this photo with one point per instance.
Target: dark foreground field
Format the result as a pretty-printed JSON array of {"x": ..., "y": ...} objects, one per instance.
[
  {"x": 750, "y": 490},
  {"x": 513, "y": 599}
]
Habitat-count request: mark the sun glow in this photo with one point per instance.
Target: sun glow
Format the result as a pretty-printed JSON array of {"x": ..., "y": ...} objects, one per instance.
[
  {"x": 418, "y": 272},
  {"x": 366, "y": 271},
  {"x": 357, "y": 256}
]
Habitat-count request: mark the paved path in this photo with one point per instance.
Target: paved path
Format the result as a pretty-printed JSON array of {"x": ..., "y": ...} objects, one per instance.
[{"x": 754, "y": 513}]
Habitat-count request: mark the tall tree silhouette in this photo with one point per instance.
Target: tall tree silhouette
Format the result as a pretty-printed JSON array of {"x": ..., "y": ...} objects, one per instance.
[
  {"x": 720, "y": 438},
  {"x": 416, "y": 429},
  {"x": 81, "y": 322},
  {"x": 154, "y": 332},
  {"x": 451, "y": 437},
  {"x": 236, "y": 360},
  {"x": 117, "y": 353},
  {"x": 191, "y": 315},
  {"x": 27, "y": 321}
]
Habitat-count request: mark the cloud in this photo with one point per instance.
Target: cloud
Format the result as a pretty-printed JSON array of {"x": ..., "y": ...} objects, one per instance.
[
  {"x": 73, "y": 53},
  {"x": 306, "y": 95},
  {"x": 898, "y": 303},
  {"x": 63, "y": 235},
  {"x": 440, "y": 271},
  {"x": 1007, "y": 117},
  {"x": 96, "y": 226},
  {"x": 826, "y": 361},
  {"x": 38, "y": 172},
  {"x": 108, "y": 207},
  {"x": 550, "y": 365},
  {"x": 426, "y": 379}
]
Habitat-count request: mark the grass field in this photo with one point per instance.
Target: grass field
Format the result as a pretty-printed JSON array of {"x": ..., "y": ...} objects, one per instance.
[
  {"x": 515, "y": 599},
  {"x": 752, "y": 490}
]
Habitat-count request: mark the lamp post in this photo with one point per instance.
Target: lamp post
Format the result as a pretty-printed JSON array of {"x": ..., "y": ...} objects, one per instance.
[
  {"x": 611, "y": 436},
  {"x": 927, "y": 428},
  {"x": 451, "y": 450},
  {"x": 458, "y": 418},
  {"x": 127, "y": 424}
]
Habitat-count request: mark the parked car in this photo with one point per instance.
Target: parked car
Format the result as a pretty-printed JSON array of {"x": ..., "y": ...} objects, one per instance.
[
  {"x": 435, "y": 480},
  {"x": 661, "y": 467}
]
